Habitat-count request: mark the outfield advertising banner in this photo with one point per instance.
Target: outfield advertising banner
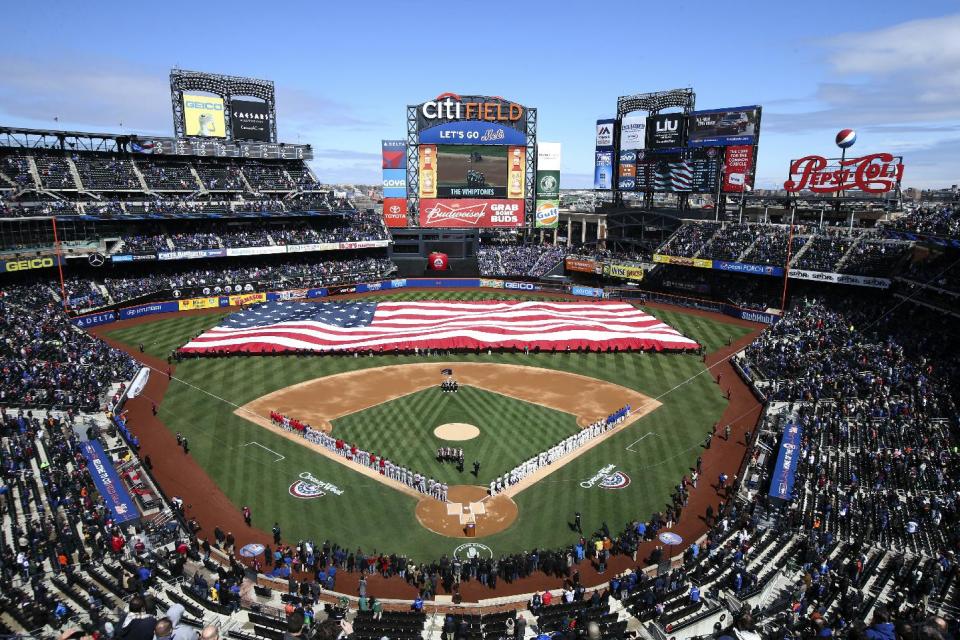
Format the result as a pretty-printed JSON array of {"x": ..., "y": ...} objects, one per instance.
[
  {"x": 148, "y": 309},
  {"x": 517, "y": 159},
  {"x": 193, "y": 254},
  {"x": 428, "y": 171},
  {"x": 683, "y": 261},
  {"x": 134, "y": 257},
  {"x": 666, "y": 131},
  {"x": 723, "y": 127},
  {"x": 745, "y": 267},
  {"x": 203, "y": 116},
  {"x": 840, "y": 278},
  {"x": 250, "y": 120},
  {"x": 94, "y": 319},
  {"x": 736, "y": 171},
  {"x": 247, "y": 298},
  {"x": 395, "y": 212},
  {"x": 547, "y": 214},
  {"x": 589, "y": 292},
  {"x": 603, "y": 155},
  {"x": 467, "y": 213},
  {"x": 473, "y": 132},
  {"x": 394, "y": 154},
  {"x": 198, "y": 303},
  {"x": 633, "y": 132},
  {"x": 28, "y": 264},
  {"x": 626, "y": 271},
  {"x": 548, "y": 185},
  {"x": 581, "y": 266},
  {"x": 394, "y": 183}
]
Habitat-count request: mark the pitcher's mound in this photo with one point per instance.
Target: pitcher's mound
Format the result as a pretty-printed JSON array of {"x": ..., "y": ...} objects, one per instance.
[
  {"x": 467, "y": 504},
  {"x": 456, "y": 431}
]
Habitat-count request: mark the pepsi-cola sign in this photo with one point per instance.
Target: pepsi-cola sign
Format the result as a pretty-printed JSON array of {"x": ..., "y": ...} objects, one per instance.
[{"x": 875, "y": 173}]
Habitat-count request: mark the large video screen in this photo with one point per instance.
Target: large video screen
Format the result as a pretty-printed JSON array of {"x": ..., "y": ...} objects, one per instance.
[
  {"x": 723, "y": 127},
  {"x": 203, "y": 116},
  {"x": 472, "y": 171},
  {"x": 250, "y": 120}
]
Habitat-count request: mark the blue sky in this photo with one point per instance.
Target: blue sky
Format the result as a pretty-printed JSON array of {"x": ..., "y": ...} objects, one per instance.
[{"x": 344, "y": 71}]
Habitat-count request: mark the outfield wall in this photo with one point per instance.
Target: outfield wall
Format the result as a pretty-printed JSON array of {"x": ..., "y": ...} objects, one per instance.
[{"x": 223, "y": 301}]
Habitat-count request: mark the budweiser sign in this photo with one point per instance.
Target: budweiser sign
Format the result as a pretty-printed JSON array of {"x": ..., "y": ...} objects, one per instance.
[
  {"x": 876, "y": 173},
  {"x": 469, "y": 213}
]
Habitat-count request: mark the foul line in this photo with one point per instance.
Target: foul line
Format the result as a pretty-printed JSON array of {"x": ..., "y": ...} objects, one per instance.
[
  {"x": 281, "y": 457},
  {"x": 638, "y": 440}
]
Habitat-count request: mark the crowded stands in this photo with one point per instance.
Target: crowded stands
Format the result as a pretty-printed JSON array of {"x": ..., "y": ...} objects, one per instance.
[{"x": 519, "y": 261}]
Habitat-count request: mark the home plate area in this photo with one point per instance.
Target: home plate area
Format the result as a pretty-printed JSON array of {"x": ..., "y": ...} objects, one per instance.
[
  {"x": 467, "y": 505},
  {"x": 467, "y": 514}
]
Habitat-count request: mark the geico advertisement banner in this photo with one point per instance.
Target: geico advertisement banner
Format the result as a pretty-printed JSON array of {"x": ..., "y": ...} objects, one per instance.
[
  {"x": 547, "y": 214},
  {"x": 516, "y": 185},
  {"x": 623, "y": 271},
  {"x": 471, "y": 214},
  {"x": 582, "y": 266},
  {"x": 428, "y": 171},
  {"x": 394, "y": 183},
  {"x": 840, "y": 278},
  {"x": 472, "y": 132},
  {"x": 28, "y": 264},
  {"x": 395, "y": 212},
  {"x": 633, "y": 132},
  {"x": 700, "y": 263},
  {"x": 203, "y": 116},
  {"x": 198, "y": 303}
]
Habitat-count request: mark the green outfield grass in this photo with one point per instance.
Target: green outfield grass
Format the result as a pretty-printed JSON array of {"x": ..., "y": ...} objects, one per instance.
[
  {"x": 655, "y": 451},
  {"x": 511, "y": 431}
]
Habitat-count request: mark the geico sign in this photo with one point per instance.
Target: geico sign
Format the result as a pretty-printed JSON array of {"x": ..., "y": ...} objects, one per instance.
[
  {"x": 25, "y": 265},
  {"x": 523, "y": 286},
  {"x": 196, "y": 104},
  {"x": 449, "y": 106}
]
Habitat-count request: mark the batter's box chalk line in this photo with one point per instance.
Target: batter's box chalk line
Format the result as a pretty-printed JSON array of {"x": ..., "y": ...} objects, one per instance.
[
  {"x": 279, "y": 457},
  {"x": 638, "y": 440}
]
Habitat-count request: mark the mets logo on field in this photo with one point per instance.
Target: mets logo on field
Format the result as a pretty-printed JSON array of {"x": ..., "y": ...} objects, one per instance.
[
  {"x": 607, "y": 478},
  {"x": 308, "y": 487}
]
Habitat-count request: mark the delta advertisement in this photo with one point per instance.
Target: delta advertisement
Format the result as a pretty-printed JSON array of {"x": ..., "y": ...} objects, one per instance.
[
  {"x": 108, "y": 483},
  {"x": 736, "y": 171},
  {"x": 395, "y": 212},
  {"x": 203, "y": 116},
  {"x": 548, "y": 185},
  {"x": 467, "y": 213},
  {"x": 723, "y": 127},
  {"x": 473, "y": 132},
  {"x": 250, "y": 120},
  {"x": 394, "y": 154},
  {"x": 625, "y": 271},
  {"x": 603, "y": 163},
  {"x": 633, "y": 132}
]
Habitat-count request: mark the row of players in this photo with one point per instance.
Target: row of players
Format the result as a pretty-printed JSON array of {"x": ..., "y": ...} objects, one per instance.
[{"x": 450, "y": 454}]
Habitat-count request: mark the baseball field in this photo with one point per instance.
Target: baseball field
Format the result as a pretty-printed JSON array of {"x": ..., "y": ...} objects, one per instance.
[{"x": 219, "y": 405}]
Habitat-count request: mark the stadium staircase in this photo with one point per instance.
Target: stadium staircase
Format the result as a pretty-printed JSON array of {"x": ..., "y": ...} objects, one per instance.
[
  {"x": 35, "y": 174},
  {"x": 196, "y": 176},
  {"x": 7, "y": 179},
  {"x": 73, "y": 172},
  {"x": 846, "y": 255},
  {"x": 746, "y": 252},
  {"x": 709, "y": 241},
  {"x": 803, "y": 250},
  {"x": 143, "y": 181}
]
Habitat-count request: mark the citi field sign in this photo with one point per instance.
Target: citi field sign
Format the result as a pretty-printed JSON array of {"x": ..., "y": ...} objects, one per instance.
[{"x": 450, "y": 106}]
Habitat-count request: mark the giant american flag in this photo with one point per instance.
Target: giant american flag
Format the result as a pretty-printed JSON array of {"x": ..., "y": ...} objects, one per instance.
[{"x": 388, "y": 326}]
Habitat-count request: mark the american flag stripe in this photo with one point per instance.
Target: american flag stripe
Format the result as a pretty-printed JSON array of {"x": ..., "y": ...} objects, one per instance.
[{"x": 388, "y": 326}]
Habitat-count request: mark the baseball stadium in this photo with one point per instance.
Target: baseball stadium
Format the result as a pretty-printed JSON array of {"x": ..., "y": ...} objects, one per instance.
[{"x": 240, "y": 399}]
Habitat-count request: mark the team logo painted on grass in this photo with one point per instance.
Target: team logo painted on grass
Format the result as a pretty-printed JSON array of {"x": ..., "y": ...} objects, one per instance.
[
  {"x": 308, "y": 487},
  {"x": 472, "y": 550},
  {"x": 607, "y": 478}
]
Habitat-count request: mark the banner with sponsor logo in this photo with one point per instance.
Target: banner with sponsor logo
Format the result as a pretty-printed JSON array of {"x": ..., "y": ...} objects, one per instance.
[
  {"x": 840, "y": 278},
  {"x": 521, "y": 286},
  {"x": 250, "y": 120},
  {"x": 148, "y": 309},
  {"x": 874, "y": 173},
  {"x": 745, "y": 267},
  {"x": 394, "y": 154},
  {"x": 394, "y": 183},
  {"x": 491, "y": 284},
  {"x": 471, "y": 214},
  {"x": 94, "y": 319},
  {"x": 628, "y": 272},
  {"x": 722, "y": 127},
  {"x": 336, "y": 246},
  {"x": 682, "y": 261},
  {"x": 255, "y": 251},
  {"x": 472, "y": 132},
  {"x": 28, "y": 264},
  {"x": 203, "y": 116},
  {"x": 633, "y": 132},
  {"x": 581, "y": 266},
  {"x": 666, "y": 131},
  {"x": 108, "y": 483},
  {"x": 751, "y": 316},
  {"x": 137, "y": 257},
  {"x": 247, "y": 298},
  {"x": 517, "y": 167},
  {"x": 590, "y": 292},
  {"x": 627, "y": 173},
  {"x": 603, "y": 155},
  {"x": 395, "y": 212},
  {"x": 198, "y": 303},
  {"x": 547, "y": 211},
  {"x": 788, "y": 458},
  {"x": 428, "y": 171},
  {"x": 192, "y": 254},
  {"x": 737, "y": 174}
]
